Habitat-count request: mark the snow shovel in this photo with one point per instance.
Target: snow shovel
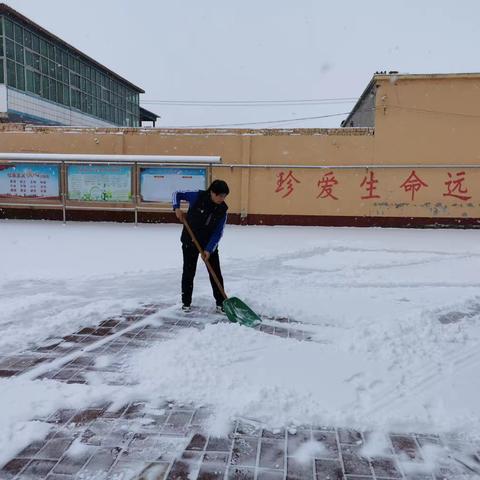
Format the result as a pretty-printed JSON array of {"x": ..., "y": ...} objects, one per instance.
[{"x": 235, "y": 309}]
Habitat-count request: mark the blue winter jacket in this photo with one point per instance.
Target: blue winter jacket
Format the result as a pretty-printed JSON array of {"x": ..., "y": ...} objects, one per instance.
[{"x": 209, "y": 228}]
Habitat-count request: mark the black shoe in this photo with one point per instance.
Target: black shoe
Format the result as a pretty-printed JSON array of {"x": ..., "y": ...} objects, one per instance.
[
  {"x": 186, "y": 308},
  {"x": 220, "y": 309}
]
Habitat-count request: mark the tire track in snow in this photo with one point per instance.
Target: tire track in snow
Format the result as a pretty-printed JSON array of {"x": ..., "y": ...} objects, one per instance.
[
  {"x": 258, "y": 270},
  {"x": 425, "y": 379},
  {"x": 431, "y": 374}
]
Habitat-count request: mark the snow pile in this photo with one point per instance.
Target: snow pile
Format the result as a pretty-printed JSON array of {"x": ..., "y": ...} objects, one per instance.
[
  {"x": 309, "y": 450},
  {"x": 243, "y": 372},
  {"x": 246, "y": 373}
]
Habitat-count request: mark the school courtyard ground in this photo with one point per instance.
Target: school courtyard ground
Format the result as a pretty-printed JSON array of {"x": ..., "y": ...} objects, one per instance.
[{"x": 365, "y": 365}]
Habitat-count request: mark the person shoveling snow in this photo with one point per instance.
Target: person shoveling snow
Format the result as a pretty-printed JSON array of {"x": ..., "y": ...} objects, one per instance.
[{"x": 203, "y": 228}]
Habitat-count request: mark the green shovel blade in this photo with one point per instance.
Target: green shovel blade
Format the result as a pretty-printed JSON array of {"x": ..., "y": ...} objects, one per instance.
[{"x": 239, "y": 312}]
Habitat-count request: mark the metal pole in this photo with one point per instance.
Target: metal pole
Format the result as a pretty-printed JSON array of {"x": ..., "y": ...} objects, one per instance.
[
  {"x": 114, "y": 158},
  {"x": 347, "y": 167},
  {"x": 135, "y": 191},
  {"x": 64, "y": 186}
]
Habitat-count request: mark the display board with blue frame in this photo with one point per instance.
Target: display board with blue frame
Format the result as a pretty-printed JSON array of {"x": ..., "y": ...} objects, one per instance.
[{"x": 30, "y": 181}]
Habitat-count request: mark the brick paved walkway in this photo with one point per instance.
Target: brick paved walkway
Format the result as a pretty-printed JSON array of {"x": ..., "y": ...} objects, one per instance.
[{"x": 169, "y": 442}]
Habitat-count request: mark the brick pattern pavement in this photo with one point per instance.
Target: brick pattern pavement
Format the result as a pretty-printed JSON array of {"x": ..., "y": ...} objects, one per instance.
[
  {"x": 170, "y": 442},
  {"x": 57, "y": 348}
]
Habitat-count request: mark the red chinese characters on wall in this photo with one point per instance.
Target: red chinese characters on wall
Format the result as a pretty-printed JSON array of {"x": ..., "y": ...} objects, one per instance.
[
  {"x": 455, "y": 187},
  {"x": 370, "y": 184},
  {"x": 326, "y": 184},
  {"x": 413, "y": 184},
  {"x": 285, "y": 183}
]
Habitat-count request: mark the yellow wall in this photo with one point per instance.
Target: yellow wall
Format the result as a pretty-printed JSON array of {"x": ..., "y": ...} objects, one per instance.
[
  {"x": 419, "y": 121},
  {"x": 428, "y": 119}
]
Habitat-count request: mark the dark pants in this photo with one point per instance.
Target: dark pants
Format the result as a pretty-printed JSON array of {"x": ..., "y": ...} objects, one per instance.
[{"x": 190, "y": 258}]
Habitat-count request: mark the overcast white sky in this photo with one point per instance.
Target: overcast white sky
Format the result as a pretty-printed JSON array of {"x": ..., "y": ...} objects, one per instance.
[{"x": 218, "y": 50}]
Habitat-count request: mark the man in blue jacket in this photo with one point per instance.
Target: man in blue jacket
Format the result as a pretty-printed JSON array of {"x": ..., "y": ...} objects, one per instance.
[{"x": 207, "y": 216}]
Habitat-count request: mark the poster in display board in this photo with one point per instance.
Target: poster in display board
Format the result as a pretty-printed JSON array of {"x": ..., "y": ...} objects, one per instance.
[
  {"x": 100, "y": 183},
  {"x": 157, "y": 184},
  {"x": 29, "y": 181}
]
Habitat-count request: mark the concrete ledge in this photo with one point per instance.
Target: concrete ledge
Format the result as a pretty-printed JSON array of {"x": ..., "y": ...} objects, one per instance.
[{"x": 22, "y": 127}]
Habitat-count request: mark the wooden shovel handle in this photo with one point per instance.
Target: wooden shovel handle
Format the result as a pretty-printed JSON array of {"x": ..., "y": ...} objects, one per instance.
[{"x": 207, "y": 263}]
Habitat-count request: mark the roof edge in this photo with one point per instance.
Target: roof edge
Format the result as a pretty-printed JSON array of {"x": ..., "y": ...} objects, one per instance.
[
  {"x": 419, "y": 76},
  {"x": 7, "y": 10},
  {"x": 371, "y": 83}
]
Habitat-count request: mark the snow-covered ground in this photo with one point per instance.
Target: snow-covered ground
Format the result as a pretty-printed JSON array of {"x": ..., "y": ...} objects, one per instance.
[{"x": 394, "y": 316}]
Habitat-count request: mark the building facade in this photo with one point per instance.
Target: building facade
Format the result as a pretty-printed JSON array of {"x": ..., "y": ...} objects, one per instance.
[{"x": 44, "y": 80}]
